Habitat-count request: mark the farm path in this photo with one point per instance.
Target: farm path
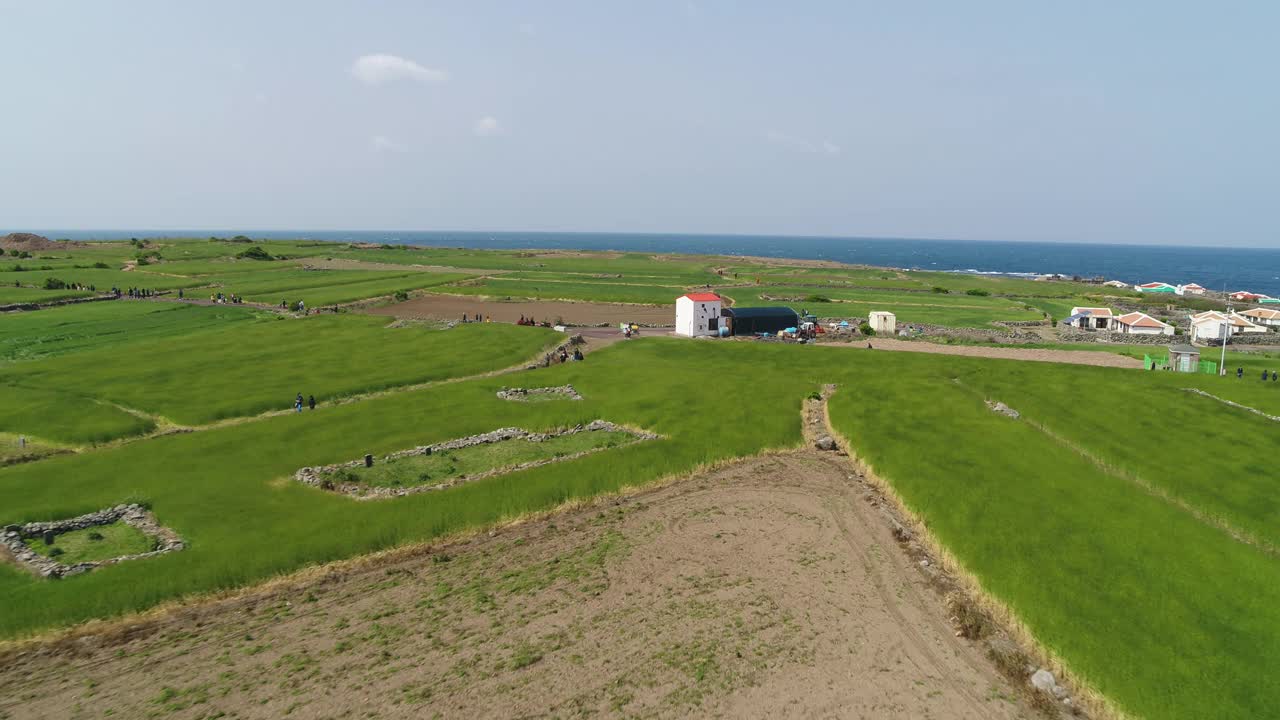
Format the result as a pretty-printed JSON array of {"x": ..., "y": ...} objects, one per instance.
[
  {"x": 769, "y": 587},
  {"x": 1096, "y": 358}
]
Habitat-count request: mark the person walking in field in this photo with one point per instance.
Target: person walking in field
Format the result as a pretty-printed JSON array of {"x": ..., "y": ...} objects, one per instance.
[
  {"x": 311, "y": 401},
  {"x": 1264, "y": 376},
  {"x": 297, "y": 403},
  {"x": 577, "y": 354},
  {"x": 1239, "y": 373}
]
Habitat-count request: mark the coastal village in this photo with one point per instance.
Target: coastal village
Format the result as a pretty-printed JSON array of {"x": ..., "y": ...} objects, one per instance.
[{"x": 1179, "y": 325}]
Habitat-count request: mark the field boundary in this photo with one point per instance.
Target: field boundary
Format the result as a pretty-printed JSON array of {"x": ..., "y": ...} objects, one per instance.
[
  {"x": 1224, "y": 401},
  {"x": 1091, "y": 700}
]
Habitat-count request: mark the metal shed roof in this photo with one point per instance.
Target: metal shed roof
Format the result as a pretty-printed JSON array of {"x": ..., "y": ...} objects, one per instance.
[{"x": 759, "y": 312}]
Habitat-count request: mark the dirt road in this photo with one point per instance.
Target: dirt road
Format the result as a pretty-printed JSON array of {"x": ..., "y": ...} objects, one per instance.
[
  {"x": 1099, "y": 358},
  {"x": 452, "y": 307},
  {"x": 768, "y": 588}
]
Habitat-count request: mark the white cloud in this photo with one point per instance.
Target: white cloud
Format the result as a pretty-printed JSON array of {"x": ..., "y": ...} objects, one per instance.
[
  {"x": 380, "y": 69},
  {"x": 382, "y": 143},
  {"x": 487, "y": 126},
  {"x": 527, "y": 28},
  {"x": 800, "y": 144}
]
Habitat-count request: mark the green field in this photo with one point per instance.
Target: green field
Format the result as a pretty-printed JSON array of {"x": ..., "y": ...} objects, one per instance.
[
  {"x": 239, "y": 371},
  {"x": 87, "y": 326},
  {"x": 1129, "y": 525}
]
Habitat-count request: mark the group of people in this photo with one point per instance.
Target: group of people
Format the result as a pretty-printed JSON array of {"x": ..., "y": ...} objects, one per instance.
[
  {"x": 133, "y": 292},
  {"x": 221, "y": 298},
  {"x": 563, "y": 356},
  {"x": 1240, "y": 374},
  {"x": 630, "y": 331},
  {"x": 478, "y": 318},
  {"x": 298, "y": 402},
  {"x": 527, "y": 321}
]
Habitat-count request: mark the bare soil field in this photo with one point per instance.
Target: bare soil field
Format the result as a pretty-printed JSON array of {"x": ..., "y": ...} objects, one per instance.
[
  {"x": 452, "y": 307},
  {"x": 1098, "y": 358},
  {"x": 771, "y": 587}
]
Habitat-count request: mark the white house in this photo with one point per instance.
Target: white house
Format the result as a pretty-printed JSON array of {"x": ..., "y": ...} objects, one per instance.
[
  {"x": 1214, "y": 326},
  {"x": 1116, "y": 283},
  {"x": 1155, "y": 287},
  {"x": 884, "y": 323},
  {"x": 1263, "y": 316},
  {"x": 1190, "y": 289},
  {"x": 698, "y": 314},
  {"x": 1136, "y": 323},
  {"x": 1090, "y": 318},
  {"x": 1246, "y": 296}
]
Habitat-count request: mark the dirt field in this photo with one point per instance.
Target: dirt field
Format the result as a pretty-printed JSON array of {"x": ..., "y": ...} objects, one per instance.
[
  {"x": 452, "y": 307},
  {"x": 1074, "y": 357},
  {"x": 769, "y": 588}
]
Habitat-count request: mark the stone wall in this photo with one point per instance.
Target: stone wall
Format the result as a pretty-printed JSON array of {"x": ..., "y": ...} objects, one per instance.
[
  {"x": 1105, "y": 336},
  {"x": 13, "y": 538},
  {"x": 319, "y": 476},
  {"x": 522, "y": 394}
]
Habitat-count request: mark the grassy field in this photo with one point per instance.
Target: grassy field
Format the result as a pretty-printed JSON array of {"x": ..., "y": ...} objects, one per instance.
[
  {"x": 95, "y": 544},
  {"x": 63, "y": 417},
  {"x": 239, "y": 371},
  {"x": 501, "y": 287},
  {"x": 88, "y": 326}
]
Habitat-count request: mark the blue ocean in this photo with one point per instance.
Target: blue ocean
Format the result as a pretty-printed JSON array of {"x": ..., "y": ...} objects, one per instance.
[{"x": 1253, "y": 269}]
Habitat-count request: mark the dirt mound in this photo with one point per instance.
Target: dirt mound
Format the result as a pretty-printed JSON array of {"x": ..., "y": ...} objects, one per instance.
[{"x": 32, "y": 242}]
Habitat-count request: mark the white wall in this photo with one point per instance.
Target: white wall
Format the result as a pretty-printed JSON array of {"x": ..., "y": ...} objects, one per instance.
[
  {"x": 884, "y": 323},
  {"x": 693, "y": 318}
]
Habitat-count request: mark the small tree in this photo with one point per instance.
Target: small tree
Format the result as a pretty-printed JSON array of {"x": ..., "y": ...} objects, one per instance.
[
  {"x": 51, "y": 283},
  {"x": 977, "y": 292},
  {"x": 866, "y": 329},
  {"x": 941, "y": 290}
]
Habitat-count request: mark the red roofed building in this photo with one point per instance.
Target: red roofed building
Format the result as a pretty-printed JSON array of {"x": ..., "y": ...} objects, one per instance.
[{"x": 698, "y": 314}]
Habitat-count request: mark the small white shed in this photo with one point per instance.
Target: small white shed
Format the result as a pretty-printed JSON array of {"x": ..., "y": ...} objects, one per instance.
[
  {"x": 884, "y": 323},
  {"x": 698, "y": 314}
]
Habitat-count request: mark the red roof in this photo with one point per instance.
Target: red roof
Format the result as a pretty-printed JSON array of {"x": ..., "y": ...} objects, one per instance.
[{"x": 702, "y": 297}]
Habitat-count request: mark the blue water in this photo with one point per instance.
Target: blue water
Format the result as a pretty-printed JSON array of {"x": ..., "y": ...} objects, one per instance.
[{"x": 1256, "y": 270}]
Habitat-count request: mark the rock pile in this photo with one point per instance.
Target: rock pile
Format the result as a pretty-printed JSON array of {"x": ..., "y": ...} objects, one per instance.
[
  {"x": 522, "y": 394},
  {"x": 139, "y": 517},
  {"x": 999, "y": 407}
]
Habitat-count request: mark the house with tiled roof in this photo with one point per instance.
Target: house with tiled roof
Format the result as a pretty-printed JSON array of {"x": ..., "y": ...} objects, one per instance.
[
  {"x": 1214, "y": 326},
  {"x": 1155, "y": 287},
  {"x": 1266, "y": 317},
  {"x": 1136, "y": 323},
  {"x": 1191, "y": 289}
]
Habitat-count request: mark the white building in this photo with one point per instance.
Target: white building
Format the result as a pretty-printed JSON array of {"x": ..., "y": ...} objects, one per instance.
[
  {"x": 1136, "y": 323},
  {"x": 884, "y": 323},
  {"x": 1090, "y": 318},
  {"x": 1190, "y": 289},
  {"x": 1215, "y": 326},
  {"x": 698, "y": 314}
]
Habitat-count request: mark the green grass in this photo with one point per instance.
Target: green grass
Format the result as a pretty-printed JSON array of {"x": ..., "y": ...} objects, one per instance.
[
  {"x": 370, "y": 288},
  {"x": 446, "y": 465},
  {"x": 94, "y": 544},
  {"x": 64, "y": 417},
  {"x": 238, "y": 371},
  {"x": 88, "y": 326}
]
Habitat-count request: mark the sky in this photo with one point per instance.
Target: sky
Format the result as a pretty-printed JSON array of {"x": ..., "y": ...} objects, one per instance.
[{"x": 1133, "y": 122}]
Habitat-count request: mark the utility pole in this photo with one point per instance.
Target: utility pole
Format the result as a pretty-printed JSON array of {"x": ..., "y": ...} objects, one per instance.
[{"x": 1226, "y": 333}]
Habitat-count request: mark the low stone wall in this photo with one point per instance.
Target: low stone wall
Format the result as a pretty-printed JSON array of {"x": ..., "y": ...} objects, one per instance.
[
  {"x": 1068, "y": 334},
  {"x": 315, "y": 476},
  {"x": 13, "y": 538},
  {"x": 522, "y": 394}
]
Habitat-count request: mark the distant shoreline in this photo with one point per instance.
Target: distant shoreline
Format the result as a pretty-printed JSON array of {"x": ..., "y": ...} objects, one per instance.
[{"x": 1216, "y": 268}]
